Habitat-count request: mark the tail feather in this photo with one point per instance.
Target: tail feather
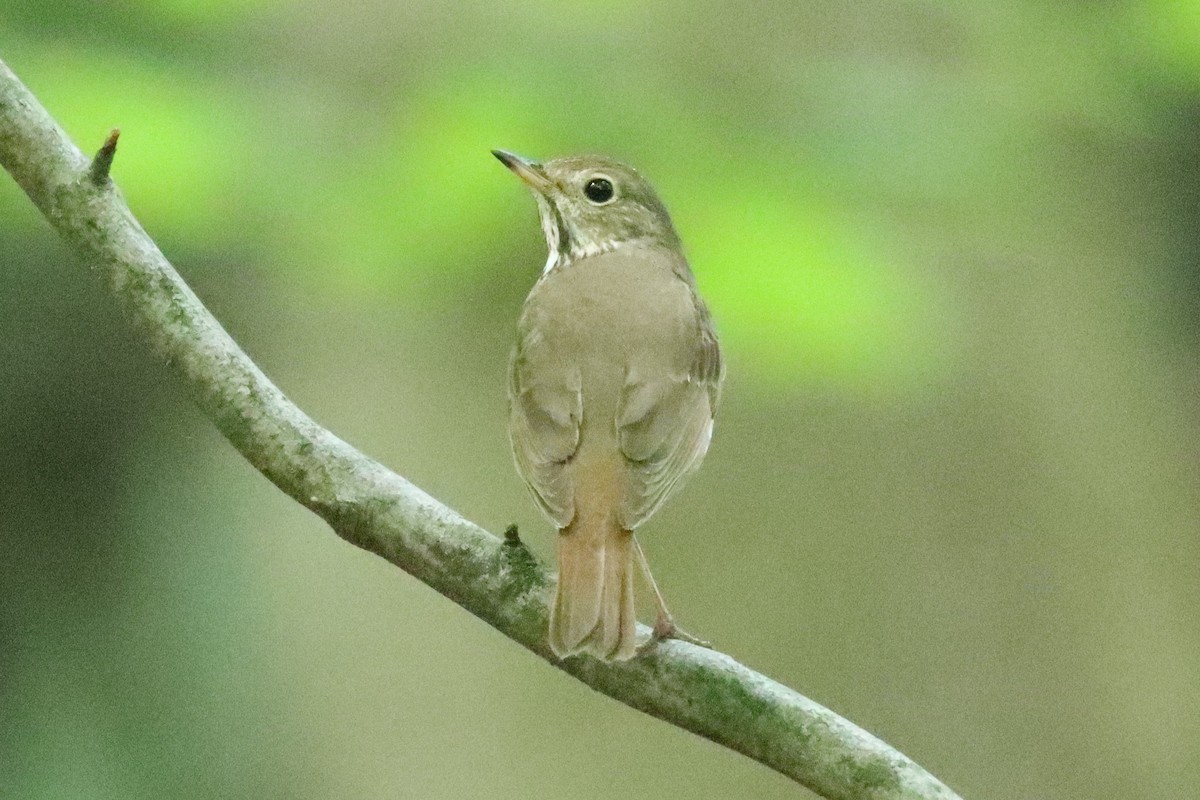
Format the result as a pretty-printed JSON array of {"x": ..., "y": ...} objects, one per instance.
[{"x": 593, "y": 609}]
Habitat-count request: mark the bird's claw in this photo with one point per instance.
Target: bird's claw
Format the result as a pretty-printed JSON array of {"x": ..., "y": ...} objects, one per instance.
[{"x": 665, "y": 628}]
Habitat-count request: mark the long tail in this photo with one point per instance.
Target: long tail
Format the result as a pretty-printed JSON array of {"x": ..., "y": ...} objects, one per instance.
[{"x": 593, "y": 608}]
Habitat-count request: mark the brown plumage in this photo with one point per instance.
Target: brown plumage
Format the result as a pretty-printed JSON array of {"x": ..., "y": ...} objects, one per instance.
[{"x": 613, "y": 383}]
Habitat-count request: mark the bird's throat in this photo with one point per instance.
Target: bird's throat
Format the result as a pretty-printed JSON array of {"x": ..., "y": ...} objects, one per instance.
[{"x": 555, "y": 230}]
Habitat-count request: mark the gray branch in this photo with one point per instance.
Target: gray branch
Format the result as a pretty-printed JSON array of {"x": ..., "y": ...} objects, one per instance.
[{"x": 497, "y": 580}]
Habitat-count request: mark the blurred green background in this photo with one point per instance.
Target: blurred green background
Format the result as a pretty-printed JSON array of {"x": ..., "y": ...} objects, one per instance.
[{"x": 954, "y": 492}]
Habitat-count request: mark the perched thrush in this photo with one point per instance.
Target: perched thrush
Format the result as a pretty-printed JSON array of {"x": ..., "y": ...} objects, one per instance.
[{"x": 613, "y": 383}]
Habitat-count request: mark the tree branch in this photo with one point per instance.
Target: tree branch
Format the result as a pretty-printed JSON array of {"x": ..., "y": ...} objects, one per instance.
[{"x": 500, "y": 582}]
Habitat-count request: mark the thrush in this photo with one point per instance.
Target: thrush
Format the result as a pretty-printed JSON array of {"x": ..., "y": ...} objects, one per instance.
[{"x": 613, "y": 384}]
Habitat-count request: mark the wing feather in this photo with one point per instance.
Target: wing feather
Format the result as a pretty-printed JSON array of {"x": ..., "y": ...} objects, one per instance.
[
  {"x": 544, "y": 420},
  {"x": 664, "y": 426}
]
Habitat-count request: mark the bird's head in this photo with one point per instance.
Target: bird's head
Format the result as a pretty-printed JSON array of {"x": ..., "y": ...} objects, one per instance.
[{"x": 591, "y": 205}]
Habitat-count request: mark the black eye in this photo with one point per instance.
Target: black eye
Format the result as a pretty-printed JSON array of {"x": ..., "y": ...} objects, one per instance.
[{"x": 599, "y": 190}]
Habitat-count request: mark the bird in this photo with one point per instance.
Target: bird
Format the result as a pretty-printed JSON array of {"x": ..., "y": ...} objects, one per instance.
[{"x": 613, "y": 384}]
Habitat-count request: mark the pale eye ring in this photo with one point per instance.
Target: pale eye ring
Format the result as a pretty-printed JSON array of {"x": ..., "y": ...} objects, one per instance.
[{"x": 599, "y": 190}]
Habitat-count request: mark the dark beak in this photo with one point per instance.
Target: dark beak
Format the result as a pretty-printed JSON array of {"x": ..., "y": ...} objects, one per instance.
[{"x": 528, "y": 171}]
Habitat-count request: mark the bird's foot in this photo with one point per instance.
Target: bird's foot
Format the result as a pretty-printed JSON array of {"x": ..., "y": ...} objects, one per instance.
[{"x": 665, "y": 628}]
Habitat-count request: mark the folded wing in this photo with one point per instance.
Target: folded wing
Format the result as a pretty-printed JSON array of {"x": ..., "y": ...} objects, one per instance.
[
  {"x": 664, "y": 426},
  {"x": 544, "y": 425}
]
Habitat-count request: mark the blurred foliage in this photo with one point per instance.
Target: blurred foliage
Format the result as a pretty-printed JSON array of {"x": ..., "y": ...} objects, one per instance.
[{"x": 954, "y": 494}]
